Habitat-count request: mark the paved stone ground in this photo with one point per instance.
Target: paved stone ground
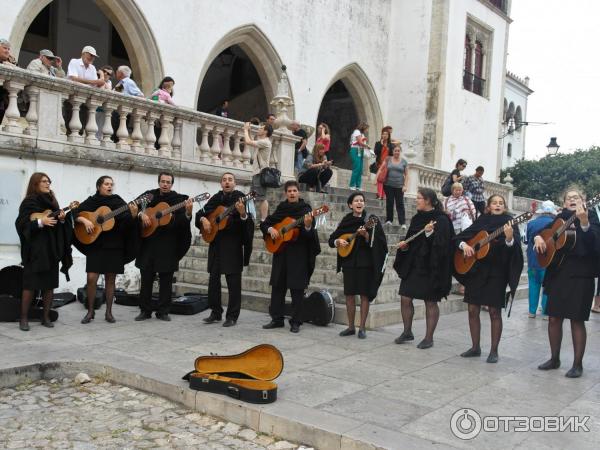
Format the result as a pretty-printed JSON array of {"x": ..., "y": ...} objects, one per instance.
[
  {"x": 64, "y": 415},
  {"x": 374, "y": 390}
]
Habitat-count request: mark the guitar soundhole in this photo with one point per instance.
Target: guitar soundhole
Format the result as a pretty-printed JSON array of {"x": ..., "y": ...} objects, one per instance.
[
  {"x": 477, "y": 247},
  {"x": 100, "y": 220},
  {"x": 159, "y": 214},
  {"x": 218, "y": 220}
]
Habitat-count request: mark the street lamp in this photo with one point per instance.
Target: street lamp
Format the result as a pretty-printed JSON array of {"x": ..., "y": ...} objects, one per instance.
[{"x": 552, "y": 147}]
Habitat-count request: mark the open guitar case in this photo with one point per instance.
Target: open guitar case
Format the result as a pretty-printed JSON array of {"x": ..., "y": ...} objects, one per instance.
[{"x": 247, "y": 376}]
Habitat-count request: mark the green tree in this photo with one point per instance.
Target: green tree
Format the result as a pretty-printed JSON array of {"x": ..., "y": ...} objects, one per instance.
[{"x": 549, "y": 176}]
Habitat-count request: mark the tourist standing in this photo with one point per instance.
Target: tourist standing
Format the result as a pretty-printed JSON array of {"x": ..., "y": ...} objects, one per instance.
[
  {"x": 164, "y": 93},
  {"x": 395, "y": 185},
  {"x": 460, "y": 209},
  {"x": 473, "y": 186},
  {"x": 324, "y": 138},
  {"x": 382, "y": 151},
  {"x": 358, "y": 143},
  {"x": 300, "y": 146}
]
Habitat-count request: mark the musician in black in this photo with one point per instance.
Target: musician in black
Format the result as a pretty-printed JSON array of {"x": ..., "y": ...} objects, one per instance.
[
  {"x": 363, "y": 268},
  {"x": 44, "y": 243},
  {"x": 109, "y": 253},
  {"x": 229, "y": 252},
  {"x": 292, "y": 267},
  {"x": 486, "y": 282},
  {"x": 425, "y": 265},
  {"x": 163, "y": 249},
  {"x": 569, "y": 280}
]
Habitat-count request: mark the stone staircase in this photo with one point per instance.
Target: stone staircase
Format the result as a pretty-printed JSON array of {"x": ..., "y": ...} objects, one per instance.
[{"x": 385, "y": 309}]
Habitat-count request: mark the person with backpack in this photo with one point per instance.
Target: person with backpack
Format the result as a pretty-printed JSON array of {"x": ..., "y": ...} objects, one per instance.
[{"x": 454, "y": 177}]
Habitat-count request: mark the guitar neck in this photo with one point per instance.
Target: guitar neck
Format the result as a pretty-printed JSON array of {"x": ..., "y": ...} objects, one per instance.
[
  {"x": 175, "y": 207},
  {"x": 414, "y": 236},
  {"x": 231, "y": 208},
  {"x": 116, "y": 212},
  {"x": 55, "y": 214}
]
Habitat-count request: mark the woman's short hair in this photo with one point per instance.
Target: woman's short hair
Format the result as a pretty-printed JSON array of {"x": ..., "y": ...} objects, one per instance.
[
  {"x": 572, "y": 188},
  {"x": 353, "y": 196},
  {"x": 100, "y": 181},
  {"x": 457, "y": 186},
  {"x": 460, "y": 162}
]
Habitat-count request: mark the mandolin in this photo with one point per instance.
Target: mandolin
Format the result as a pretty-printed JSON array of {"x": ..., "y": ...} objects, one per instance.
[
  {"x": 53, "y": 214},
  {"x": 350, "y": 238},
  {"x": 103, "y": 219},
  {"x": 560, "y": 237},
  {"x": 289, "y": 230},
  {"x": 481, "y": 244},
  {"x": 219, "y": 218},
  {"x": 416, "y": 235},
  {"x": 161, "y": 214}
]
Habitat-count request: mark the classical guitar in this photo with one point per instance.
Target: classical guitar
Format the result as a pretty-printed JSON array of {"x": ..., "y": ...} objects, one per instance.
[
  {"x": 219, "y": 218},
  {"x": 416, "y": 235},
  {"x": 53, "y": 214},
  {"x": 560, "y": 236},
  {"x": 481, "y": 244},
  {"x": 161, "y": 214},
  {"x": 103, "y": 219},
  {"x": 350, "y": 238},
  {"x": 289, "y": 230}
]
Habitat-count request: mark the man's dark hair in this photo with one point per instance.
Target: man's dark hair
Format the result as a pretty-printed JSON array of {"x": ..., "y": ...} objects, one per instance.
[
  {"x": 460, "y": 162},
  {"x": 269, "y": 129},
  {"x": 227, "y": 173},
  {"x": 168, "y": 174},
  {"x": 479, "y": 169},
  {"x": 289, "y": 184},
  {"x": 271, "y": 115}
]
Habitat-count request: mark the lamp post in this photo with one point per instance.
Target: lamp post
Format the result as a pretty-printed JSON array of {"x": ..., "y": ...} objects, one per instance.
[{"x": 552, "y": 147}]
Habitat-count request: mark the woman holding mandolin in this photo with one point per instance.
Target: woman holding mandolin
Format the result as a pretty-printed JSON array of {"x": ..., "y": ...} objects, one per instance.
[
  {"x": 425, "y": 265},
  {"x": 485, "y": 283},
  {"x": 45, "y": 241},
  {"x": 569, "y": 279},
  {"x": 362, "y": 267}
]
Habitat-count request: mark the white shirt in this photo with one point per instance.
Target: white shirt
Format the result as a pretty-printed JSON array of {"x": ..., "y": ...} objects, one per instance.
[
  {"x": 78, "y": 69},
  {"x": 354, "y": 138}
]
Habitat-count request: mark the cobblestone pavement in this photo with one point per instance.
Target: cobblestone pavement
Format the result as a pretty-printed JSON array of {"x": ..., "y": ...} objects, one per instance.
[{"x": 61, "y": 414}]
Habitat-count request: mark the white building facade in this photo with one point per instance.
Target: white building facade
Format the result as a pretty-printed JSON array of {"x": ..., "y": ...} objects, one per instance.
[{"x": 514, "y": 119}]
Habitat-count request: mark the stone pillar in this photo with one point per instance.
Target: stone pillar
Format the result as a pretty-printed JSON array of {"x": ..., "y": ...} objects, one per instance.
[
  {"x": 32, "y": 113},
  {"x": 226, "y": 153},
  {"x": 238, "y": 160},
  {"x": 91, "y": 127},
  {"x": 176, "y": 143},
  {"x": 204, "y": 148},
  {"x": 215, "y": 149},
  {"x": 282, "y": 101},
  {"x": 107, "y": 129},
  {"x": 12, "y": 114},
  {"x": 123, "y": 132},
  {"x": 75, "y": 122},
  {"x": 150, "y": 135},
  {"x": 164, "y": 140},
  {"x": 189, "y": 136},
  {"x": 137, "y": 138}
]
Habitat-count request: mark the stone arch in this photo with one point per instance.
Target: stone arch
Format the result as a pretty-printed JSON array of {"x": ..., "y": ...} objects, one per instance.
[
  {"x": 129, "y": 22},
  {"x": 261, "y": 53}
]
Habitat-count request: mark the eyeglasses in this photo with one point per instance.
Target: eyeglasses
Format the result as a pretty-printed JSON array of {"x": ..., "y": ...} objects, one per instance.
[
  {"x": 46, "y": 181},
  {"x": 573, "y": 197}
]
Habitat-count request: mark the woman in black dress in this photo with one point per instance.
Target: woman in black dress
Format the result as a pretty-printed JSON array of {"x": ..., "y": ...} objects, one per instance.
[
  {"x": 44, "y": 242},
  {"x": 109, "y": 253},
  {"x": 363, "y": 268},
  {"x": 424, "y": 265},
  {"x": 485, "y": 284},
  {"x": 569, "y": 281}
]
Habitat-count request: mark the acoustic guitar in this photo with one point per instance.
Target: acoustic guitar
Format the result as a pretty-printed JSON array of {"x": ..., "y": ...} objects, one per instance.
[
  {"x": 103, "y": 219},
  {"x": 289, "y": 230},
  {"x": 416, "y": 235},
  {"x": 560, "y": 237},
  {"x": 161, "y": 214},
  {"x": 219, "y": 218},
  {"x": 481, "y": 244},
  {"x": 350, "y": 238},
  {"x": 53, "y": 214}
]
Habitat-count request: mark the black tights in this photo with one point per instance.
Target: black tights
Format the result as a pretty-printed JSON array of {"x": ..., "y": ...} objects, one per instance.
[
  {"x": 109, "y": 291},
  {"x": 351, "y": 310},
  {"x": 475, "y": 326},
  {"x": 432, "y": 315},
  {"x": 27, "y": 298},
  {"x": 578, "y": 334}
]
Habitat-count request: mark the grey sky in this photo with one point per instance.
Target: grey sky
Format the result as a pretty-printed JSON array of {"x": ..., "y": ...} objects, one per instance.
[{"x": 555, "y": 43}]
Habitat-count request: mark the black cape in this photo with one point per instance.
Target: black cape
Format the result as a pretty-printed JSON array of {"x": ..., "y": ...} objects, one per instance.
[
  {"x": 501, "y": 259},
  {"x": 297, "y": 262},
  {"x": 232, "y": 247},
  {"x": 378, "y": 253},
  {"x": 163, "y": 249},
  {"x": 433, "y": 255},
  {"x": 42, "y": 248},
  {"x": 124, "y": 234}
]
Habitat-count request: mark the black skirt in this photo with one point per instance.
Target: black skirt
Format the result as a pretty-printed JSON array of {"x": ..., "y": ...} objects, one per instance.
[
  {"x": 258, "y": 188},
  {"x": 106, "y": 260},
  {"x": 357, "y": 280},
  {"x": 570, "y": 300},
  {"x": 418, "y": 286},
  {"x": 494, "y": 293},
  {"x": 45, "y": 280}
]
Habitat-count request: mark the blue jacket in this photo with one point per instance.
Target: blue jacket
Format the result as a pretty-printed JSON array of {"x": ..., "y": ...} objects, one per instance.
[{"x": 533, "y": 228}]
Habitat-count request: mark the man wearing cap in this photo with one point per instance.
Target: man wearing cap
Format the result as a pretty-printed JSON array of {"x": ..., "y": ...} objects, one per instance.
[
  {"x": 82, "y": 70},
  {"x": 535, "y": 273},
  {"x": 47, "y": 64}
]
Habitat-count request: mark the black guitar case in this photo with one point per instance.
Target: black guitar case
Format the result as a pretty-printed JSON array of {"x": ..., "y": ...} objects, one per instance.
[
  {"x": 11, "y": 288},
  {"x": 317, "y": 308},
  {"x": 62, "y": 299},
  {"x": 189, "y": 303},
  {"x": 125, "y": 299},
  {"x": 100, "y": 298}
]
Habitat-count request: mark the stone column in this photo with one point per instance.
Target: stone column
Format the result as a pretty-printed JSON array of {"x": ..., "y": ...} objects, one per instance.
[
  {"x": 246, "y": 156},
  {"x": 12, "y": 114},
  {"x": 32, "y": 113},
  {"x": 226, "y": 153},
  {"x": 238, "y": 160},
  {"x": 176, "y": 142},
  {"x": 150, "y": 135},
  {"x": 164, "y": 141},
  {"x": 137, "y": 138},
  {"x": 215, "y": 149},
  {"x": 75, "y": 122},
  {"x": 107, "y": 129},
  {"x": 122, "y": 132},
  {"x": 204, "y": 148},
  {"x": 91, "y": 127}
]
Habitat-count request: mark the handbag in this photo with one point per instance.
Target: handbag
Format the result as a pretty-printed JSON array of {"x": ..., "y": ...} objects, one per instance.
[
  {"x": 373, "y": 167},
  {"x": 270, "y": 177},
  {"x": 383, "y": 172}
]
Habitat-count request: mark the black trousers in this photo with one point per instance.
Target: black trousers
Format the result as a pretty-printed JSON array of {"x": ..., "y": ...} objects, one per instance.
[
  {"x": 392, "y": 195},
  {"x": 165, "y": 280},
  {"x": 315, "y": 177},
  {"x": 234, "y": 286},
  {"x": 276, "y": 308},
  {"x": 479, "y": 207}
]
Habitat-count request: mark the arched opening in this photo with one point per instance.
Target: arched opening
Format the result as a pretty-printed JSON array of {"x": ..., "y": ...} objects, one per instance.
[
  {"x": 348, "y": 100},
  {"x": 117, "y": 30},
  {"x": 244, "y": 50},
  {"x": 232, "y": 76},
  {"x": 519, "y": 119}
]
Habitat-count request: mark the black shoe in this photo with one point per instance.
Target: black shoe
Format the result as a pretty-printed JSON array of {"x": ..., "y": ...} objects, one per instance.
[
  {"x": 574, "y": 372},
  {"x": 109, "y": 318},
  {"x": 471, "y": 353},
  {"x": 165, "y": 317},
  {"x": 88, "y": 318},
  {"x": 142, "y": 316},
  {"x": 348, "y": 332},
  {"x": 492, "y": 358},
  {"x": 550, "y": 364},
  {"x": 229, "y": 323},
  {"x": 274, "y": 324},
  {"x": 362, "y": 334},
  {"x": 24, "y": 326},
  {"x": 404, "y": 337},
  {"x": 425, "y": 344},
  {"x": 211, "y": 319},
  {"x": 47, "y": 324},
  {"x": 294, "y": 328}
]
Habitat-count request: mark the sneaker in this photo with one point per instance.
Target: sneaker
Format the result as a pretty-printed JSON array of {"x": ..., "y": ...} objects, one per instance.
[
  {"x": 531, "y": 316},
  {"x": 388, "y": 223},
  {"x": 403, "y": 227},
  {"x": 544, "y": 317}
]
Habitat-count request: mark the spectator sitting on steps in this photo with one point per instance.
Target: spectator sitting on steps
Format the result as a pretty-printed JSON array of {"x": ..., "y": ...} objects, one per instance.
[
  {"x": 82, "y": 70},
  {"x": 47, "y": 64}
]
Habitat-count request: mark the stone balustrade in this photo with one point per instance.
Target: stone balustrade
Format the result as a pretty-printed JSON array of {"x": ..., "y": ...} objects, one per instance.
[{"x": 59, "y": 119}]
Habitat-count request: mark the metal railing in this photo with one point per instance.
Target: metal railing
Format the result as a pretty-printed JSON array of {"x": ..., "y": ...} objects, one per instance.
[{"x": 473, "y": 83}]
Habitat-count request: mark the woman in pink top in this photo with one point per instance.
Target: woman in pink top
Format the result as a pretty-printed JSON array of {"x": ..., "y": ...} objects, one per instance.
[
  {"x": 164, "y": 93},
  {"x": 324, "y": 137}
]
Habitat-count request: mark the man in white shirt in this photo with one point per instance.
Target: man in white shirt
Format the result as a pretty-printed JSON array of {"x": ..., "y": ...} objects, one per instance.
[{"x": 82, "y": 70}]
